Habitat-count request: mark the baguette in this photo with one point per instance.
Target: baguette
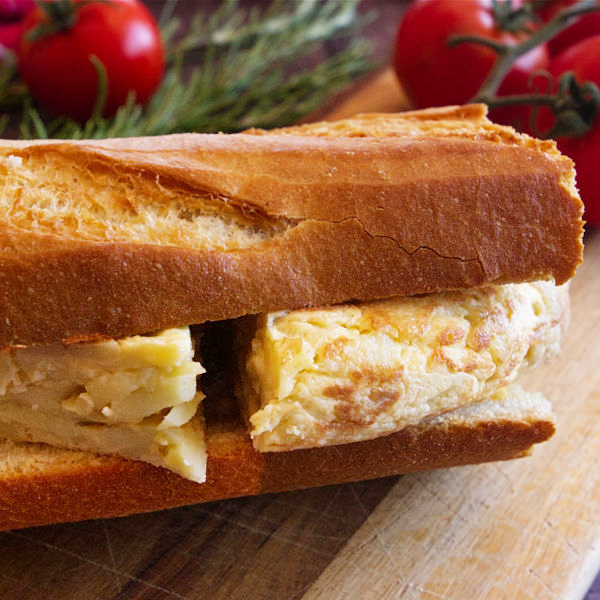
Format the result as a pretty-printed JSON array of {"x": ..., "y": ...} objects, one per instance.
[{"x": 115, "y": 238}]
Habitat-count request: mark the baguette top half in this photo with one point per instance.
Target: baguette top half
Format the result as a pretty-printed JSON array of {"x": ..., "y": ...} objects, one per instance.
[{"x": 117, "y": 237}]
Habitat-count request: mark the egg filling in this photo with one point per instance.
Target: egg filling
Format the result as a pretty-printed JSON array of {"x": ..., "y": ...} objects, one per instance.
[
  {"x": 134, "y": 396},
  {"x": 347, "y": 373}
]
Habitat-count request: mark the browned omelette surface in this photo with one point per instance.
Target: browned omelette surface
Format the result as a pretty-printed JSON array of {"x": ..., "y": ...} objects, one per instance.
[{"x": 343, "y": 374}]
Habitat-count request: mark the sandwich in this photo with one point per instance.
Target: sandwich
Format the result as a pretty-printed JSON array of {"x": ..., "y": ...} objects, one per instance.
[{"x": 196, "y": 317}]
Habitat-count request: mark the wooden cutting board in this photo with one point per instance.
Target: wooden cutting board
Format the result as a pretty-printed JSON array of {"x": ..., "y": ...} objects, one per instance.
[{"x": 524, "y": 529}]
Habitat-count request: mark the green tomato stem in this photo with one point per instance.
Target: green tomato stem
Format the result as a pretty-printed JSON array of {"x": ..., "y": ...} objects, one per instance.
[
  {"x": 507, "y": 55},
  {"x": 61, "y": 15}
]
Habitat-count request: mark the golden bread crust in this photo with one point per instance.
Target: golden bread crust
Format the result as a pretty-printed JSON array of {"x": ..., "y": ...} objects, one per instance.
[{"x": 340, "y": 215}]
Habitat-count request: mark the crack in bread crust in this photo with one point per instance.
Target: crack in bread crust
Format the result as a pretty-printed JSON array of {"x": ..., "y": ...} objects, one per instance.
[{"x": 96, "y": 201}]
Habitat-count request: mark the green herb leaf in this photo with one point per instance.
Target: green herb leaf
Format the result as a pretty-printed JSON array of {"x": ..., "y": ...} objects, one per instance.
[{"x": 232, "y": 69}]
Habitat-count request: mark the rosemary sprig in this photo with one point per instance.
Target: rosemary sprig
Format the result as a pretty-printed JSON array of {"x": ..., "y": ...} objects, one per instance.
[
  {"x": 12, "y": 91},
  {"x": 231, "y": 70}
]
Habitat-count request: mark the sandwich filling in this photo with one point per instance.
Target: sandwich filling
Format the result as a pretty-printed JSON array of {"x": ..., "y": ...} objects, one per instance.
[
  {"x": 343, "y": 374},
  {"x": 135, "y": 397},
  {"x": 308, "y": 378}
]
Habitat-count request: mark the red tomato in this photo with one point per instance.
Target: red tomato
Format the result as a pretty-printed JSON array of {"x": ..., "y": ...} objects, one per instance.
[
  {"x": 122, "y": 34},
  {"x": 435, "y": 74},
  {"x": 11, "y": 10},
  {"x": 585, "y": 27},
  {"x": 583, "y": 60},
  {"x": 10, "y": 34}
]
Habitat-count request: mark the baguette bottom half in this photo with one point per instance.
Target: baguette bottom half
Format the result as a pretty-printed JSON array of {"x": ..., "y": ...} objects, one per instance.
[{"x": 41, "y": 485}]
